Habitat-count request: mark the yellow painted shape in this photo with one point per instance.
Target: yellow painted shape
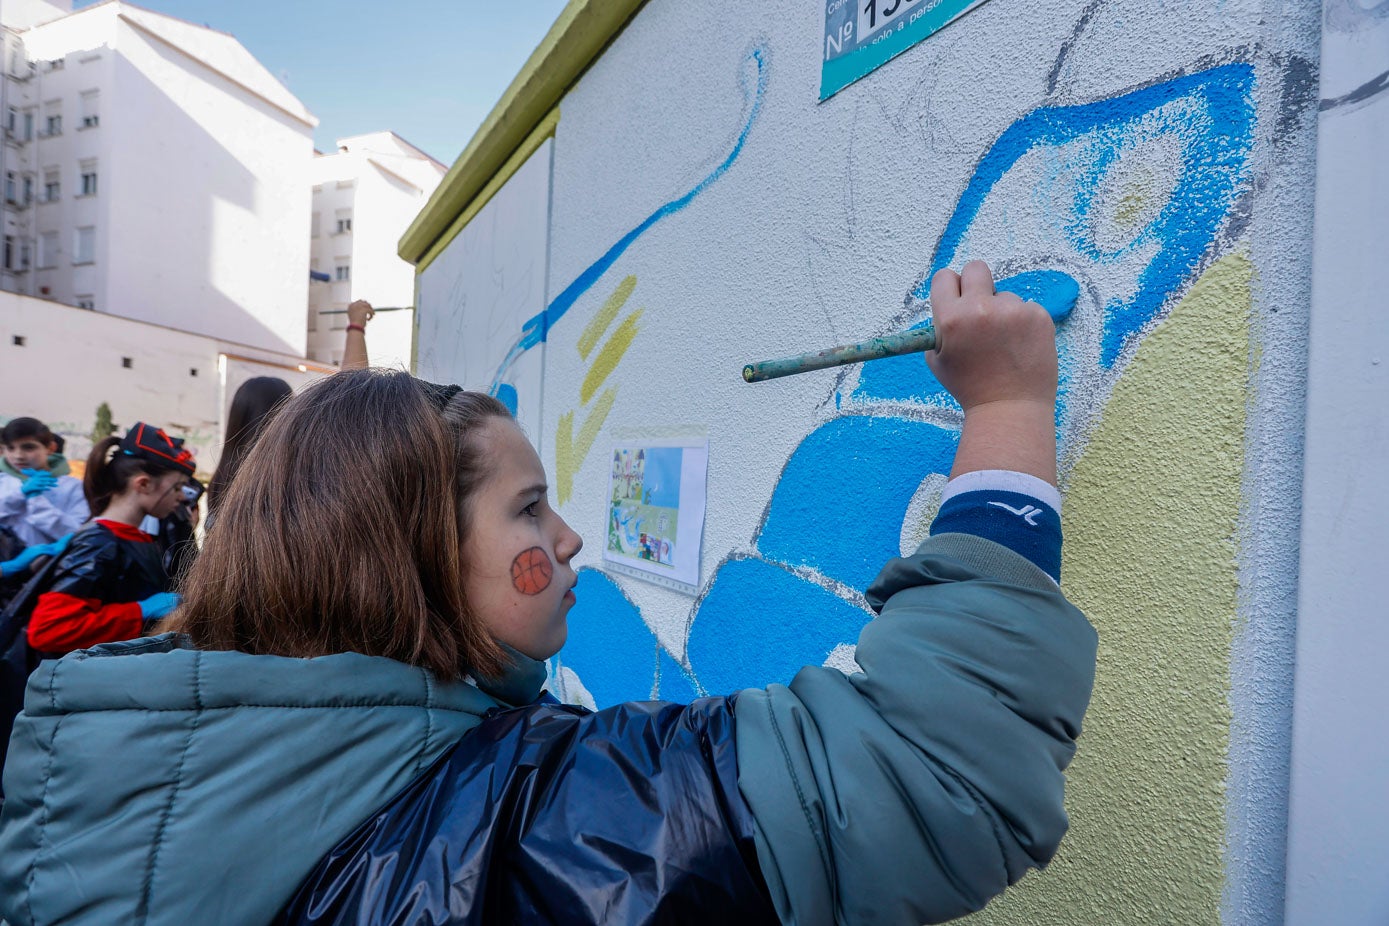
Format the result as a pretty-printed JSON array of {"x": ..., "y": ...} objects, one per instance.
[
  {"x": 570, "y": 453},
  {"x": 1152, "y": 512},
  {"x": 1130, "y": 207},
  {"x": 609, "y": 357},
  {"x": 595, "y": 328}
]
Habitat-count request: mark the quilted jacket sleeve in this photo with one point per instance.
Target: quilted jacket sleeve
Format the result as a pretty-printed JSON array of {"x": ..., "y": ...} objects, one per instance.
[{"x": 916, "y": 790}]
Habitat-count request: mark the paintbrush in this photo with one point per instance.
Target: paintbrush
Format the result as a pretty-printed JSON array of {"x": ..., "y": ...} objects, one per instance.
[
  {"x": 893, "y": 345},
  {"x": 384, "y": 308}
]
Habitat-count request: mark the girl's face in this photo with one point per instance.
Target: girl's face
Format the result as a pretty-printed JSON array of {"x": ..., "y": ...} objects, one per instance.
[
  {"x": 27, "y": 453},
  {"x": 519, "y": 580},
  {"x": 158, "y": 496}
]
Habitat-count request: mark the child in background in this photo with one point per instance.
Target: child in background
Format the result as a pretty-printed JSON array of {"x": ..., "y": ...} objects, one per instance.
[
  {"x": 351, "y": 726},
  {"x": 111, "y": 582},
  {"x": 39, "y": 501},
  {"x": 255, "y": 401}
]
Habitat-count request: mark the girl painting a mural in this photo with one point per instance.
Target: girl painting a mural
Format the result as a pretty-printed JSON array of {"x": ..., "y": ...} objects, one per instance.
[{"x": 356, "y": 682}]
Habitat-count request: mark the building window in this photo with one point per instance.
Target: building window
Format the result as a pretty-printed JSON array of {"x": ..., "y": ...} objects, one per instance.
[
  {"x": 127, "y": 362},
  {"x": 28, "y": 189},
  {"x": 28, "y": 125},
  {"x": 314, "y": 223},
  {"x": 192, "y": 371},
  {"x": 87, "y": 302},
  {"x": 52, "y": 185},
  {"x": 342, "y": 273},
  {"x": 88, "y": 170},
  {"x": 11, "y": 190},
  {"x": 16, "y": 253},
  {"x": 344, "y": 224},
  {"x": 53, "y": 117},
  {"x": 84, "y": 246},
  {"x": 90, "y": 116},
  {"x": 48, "y": 249},
  {"x": 19, "y": 340}
]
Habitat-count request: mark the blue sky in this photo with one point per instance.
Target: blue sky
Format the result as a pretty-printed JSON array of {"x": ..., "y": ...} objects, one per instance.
[{"x": 429, "y": 70}]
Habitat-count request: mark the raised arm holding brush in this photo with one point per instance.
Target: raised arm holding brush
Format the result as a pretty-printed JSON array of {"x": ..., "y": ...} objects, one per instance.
[{"x": 354, "y": 349}]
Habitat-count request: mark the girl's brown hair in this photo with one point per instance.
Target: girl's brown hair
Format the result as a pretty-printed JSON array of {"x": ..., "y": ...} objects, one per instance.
[{"x": 343, "y": 530}]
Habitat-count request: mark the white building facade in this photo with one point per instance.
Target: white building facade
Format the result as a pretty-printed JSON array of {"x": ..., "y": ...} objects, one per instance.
[
  {"x": 154, "y": 170},
  {"x": 364, "y": 197},
  {"x": 181, "y": 381}
]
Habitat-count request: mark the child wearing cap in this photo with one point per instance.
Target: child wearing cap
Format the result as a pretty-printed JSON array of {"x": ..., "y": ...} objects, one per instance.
[
  {"x": 39, "y": 501},
  {"x": 111, "y": 582}
]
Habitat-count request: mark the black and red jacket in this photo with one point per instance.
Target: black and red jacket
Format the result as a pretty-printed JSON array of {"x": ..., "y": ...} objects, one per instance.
[{"x": 108, "y": 569}]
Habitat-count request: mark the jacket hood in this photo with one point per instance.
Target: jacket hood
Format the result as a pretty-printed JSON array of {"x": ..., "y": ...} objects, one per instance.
[{"x": 149, "y": 781}]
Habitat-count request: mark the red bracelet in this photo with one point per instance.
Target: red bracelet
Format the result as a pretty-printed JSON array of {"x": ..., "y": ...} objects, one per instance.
[{"x": 357, "y": 328}]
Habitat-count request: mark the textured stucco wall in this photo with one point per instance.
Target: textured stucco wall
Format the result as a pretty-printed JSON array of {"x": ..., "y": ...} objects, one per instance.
[{"x": 705, "y": 211}]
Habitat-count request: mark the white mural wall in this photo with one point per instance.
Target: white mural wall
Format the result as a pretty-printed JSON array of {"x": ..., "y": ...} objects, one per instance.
[
  {"x": 484, "y": 287},
  {"x": 1143, "y": 169}
]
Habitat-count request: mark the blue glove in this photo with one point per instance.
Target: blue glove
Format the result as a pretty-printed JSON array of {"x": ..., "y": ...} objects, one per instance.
[
  {"x": 22, "y": 561},
  {"x": 160, "y": 604},
  {"x": 39, "y": 481}
]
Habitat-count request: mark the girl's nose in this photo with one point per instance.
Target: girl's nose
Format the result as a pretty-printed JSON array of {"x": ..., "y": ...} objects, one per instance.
[{"x": 568, "y": 544}]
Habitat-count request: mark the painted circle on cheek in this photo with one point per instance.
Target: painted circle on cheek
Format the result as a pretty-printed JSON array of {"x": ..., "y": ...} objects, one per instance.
[{"x": 531, "y": 571}]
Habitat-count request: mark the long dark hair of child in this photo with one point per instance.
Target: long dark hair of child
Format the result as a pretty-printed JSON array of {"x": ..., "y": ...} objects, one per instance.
[
  {"x": 350, "y": 537},
  {"x": 109, "y": 473},
  {"x": 251, "y": 408}
]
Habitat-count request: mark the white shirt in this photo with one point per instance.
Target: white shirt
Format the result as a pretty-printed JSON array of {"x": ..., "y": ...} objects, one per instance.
[{"x": 44, "y": 517}]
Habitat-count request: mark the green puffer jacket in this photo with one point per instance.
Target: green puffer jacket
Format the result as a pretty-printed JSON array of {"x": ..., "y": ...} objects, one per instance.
[{"x": 915, "y": 791}]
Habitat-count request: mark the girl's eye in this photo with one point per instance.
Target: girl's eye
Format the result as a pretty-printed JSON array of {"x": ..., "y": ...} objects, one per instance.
[{"x": 529, "y": 510}]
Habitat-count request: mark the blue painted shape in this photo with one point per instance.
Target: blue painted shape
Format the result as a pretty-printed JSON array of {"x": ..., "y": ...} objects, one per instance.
[
  {"x": 1210, "y": 117},
  {"x": 506, "y": 394},
  {"x": 609, "y": 646},
  {"x": 675, "y": 684},
  {"x": 537, "y": 328},
  {"x": 839, "y": 505},
  {"x": 759, "y": 624},
  {"x": 909, "y": 379},
  {"x": 1053, "y": 290}
]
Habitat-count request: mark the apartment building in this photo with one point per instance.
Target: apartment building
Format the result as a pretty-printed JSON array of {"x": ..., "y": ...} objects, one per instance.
[
  {"x": 364, "y": 197},
  {"x": 152, "y": 169}
]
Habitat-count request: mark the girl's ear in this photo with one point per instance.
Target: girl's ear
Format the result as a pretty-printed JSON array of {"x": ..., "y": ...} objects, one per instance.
[{"x": 141, "y": 482}]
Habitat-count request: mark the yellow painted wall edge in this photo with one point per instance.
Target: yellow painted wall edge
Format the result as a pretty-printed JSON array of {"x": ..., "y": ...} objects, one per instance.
[{"x": 577, "y": 38}]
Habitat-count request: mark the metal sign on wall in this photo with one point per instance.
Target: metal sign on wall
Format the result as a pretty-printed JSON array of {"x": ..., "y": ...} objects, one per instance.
[{"x": 863, "y": 35}]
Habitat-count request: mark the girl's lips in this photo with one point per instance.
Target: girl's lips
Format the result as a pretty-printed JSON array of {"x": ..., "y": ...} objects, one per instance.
[{"x": 570, "y": 597}]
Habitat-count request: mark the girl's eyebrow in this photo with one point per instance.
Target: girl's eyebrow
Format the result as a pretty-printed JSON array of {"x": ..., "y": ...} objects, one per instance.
[{"x": 539, "y": 488}]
